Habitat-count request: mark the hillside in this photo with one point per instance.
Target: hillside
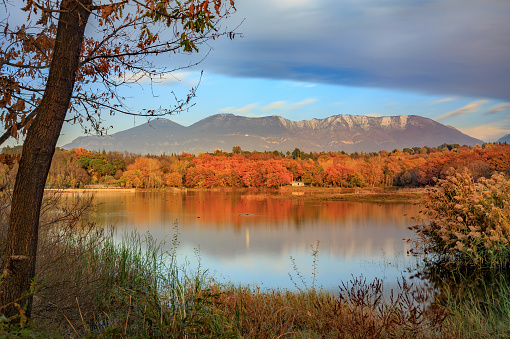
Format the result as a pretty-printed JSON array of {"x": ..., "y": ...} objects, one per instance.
[{"x": 350, "y": 133}]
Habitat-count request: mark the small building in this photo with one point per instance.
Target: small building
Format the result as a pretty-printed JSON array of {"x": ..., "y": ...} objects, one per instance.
[{"x": 298, "y": 184}]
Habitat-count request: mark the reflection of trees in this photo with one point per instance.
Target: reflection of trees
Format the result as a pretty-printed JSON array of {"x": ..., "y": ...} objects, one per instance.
[
  {"x": 276, "y": 224},
  {"x": 234, "y": 209}
]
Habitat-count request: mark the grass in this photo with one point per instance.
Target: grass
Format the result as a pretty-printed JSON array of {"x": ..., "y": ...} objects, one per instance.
[
  {"x": 137, "y": 290},
  {"x": 478, "y": 300},
  {"x": 358, "y": 311},
  {"x": 93, "y": 286}
]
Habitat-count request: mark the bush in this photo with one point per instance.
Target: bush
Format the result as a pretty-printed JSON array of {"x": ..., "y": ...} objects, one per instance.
[{"x": 467, "y": 222}]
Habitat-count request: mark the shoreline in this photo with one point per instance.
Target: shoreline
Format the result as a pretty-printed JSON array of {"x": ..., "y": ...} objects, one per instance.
[{"x": 366, "y": 194}]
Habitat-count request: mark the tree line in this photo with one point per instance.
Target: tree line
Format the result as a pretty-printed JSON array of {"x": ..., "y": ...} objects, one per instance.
[{"x": 409, "y": 167}]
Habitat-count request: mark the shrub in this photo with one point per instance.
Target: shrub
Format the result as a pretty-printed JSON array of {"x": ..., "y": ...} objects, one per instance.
[{"x": 467, "y": 222}]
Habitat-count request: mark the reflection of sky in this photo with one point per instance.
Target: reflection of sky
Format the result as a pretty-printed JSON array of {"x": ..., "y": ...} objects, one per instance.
[{"x": 251, "y": 240}]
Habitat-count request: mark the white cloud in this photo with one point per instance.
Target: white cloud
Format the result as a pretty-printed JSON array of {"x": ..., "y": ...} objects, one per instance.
[
  {"x": 246, "y": 110},
  {"x": 444, "y": 100},
  {"x": 165, "y": 79},
  {"x": 305, "y": 102},
  {"x": 287, "y": 107},
  {"x": 469, "y": 108},
  {"x": 277, "y": 105},
  {"x": 486, "y": 132},
  {"x": 498, "y": 108},
  {"x": 303, "y": 84}
]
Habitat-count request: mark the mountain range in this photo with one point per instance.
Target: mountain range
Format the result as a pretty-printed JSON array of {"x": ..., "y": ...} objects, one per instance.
[
  {"x": 505, "y": 138},
  {"x": 350, "y": 133}
]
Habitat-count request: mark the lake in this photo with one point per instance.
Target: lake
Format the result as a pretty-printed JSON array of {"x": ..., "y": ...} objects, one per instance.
[{"x": 249, "y": 237}]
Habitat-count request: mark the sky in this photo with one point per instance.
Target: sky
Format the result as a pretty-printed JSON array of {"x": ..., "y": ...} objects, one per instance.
[{"x": 447, "y": 60}]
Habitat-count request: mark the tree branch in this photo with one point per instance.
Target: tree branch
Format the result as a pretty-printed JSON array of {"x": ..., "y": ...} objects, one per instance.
[
  {"x": 97, "y": 7},
  {"x": 22, "y": 66},
  {"x": 19, "y": 125}
]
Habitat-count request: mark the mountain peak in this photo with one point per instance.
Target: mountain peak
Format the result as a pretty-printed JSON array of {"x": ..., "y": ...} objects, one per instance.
[{"x": 223, "y": 131}]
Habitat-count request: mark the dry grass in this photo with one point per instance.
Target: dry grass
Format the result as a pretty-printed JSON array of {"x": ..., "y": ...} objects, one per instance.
[
  {"x": 66, "y": 237},
  {"x": 358, "y": 311}
]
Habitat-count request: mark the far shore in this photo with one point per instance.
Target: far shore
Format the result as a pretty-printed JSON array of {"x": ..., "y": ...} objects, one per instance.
[{"x": 365, "y": 194}]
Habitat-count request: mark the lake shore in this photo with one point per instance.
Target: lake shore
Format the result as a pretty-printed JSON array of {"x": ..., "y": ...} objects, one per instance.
[{"x": 366, "y": 194}]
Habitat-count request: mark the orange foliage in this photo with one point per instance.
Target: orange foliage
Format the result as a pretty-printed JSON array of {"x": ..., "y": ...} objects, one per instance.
[{"x": 416, "y": 167}]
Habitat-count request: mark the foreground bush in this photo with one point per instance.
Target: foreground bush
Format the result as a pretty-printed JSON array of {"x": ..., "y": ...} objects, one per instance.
[{"x": 467, "y": 222}]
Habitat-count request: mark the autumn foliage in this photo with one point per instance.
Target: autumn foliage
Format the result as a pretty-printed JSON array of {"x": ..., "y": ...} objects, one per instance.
[{"x": 409, "y": 168}]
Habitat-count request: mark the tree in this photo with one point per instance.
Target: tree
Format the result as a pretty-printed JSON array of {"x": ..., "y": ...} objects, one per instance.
[
  {"x": 46, "y": 71},
  {"x": 296, "y": 154}
]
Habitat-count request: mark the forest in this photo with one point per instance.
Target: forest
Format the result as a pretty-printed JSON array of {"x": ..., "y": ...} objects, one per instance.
[{"x": 409, "y": 167}]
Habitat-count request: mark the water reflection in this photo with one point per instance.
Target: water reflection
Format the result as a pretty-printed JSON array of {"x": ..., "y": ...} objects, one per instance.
[{"x": 248, "y": 237}]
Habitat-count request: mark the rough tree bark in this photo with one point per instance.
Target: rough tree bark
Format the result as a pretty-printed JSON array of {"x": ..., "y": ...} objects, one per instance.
[{"x": 19, "y": 265}]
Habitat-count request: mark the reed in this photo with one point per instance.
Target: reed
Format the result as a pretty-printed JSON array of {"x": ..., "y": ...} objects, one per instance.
[
  {"x": 478, "y": 301},
  {"x": 359, "y": 310},
  {"x": 467, "y": 223}
]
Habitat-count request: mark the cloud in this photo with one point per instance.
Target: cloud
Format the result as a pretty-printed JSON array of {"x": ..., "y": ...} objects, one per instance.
[
  {"x": 278, "y": 105},
  {"x": 487, "y": 133},
  {"x": 498, "y": 108},
  {"x": 469, "y": 108},
  {"x": 301, "y": 84},
  {"x": 444, "y": 100},
  {"x": 451, "y": 48},
  {"x": 287, "y": 107},
  {"x": 246, "y": 110},
  {"x": 305, "y": 102}
]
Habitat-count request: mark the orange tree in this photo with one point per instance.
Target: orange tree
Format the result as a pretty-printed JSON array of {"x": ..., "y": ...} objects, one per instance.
[{"x": 64, "y": 63}]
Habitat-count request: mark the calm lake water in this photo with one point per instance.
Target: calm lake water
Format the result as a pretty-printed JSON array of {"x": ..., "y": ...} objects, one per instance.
[{"x": 250, "y": 237}]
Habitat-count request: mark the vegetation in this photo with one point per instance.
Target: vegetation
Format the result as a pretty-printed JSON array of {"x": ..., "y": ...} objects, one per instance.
[
  {"x": 90, "y": 285},
  {"x": 410, "y": 168},
  {"x": 467, "y": 221},
  {"x": 55, "y": 67}
]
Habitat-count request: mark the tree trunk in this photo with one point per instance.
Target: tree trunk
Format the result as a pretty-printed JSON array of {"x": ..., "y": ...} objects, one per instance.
[{"x": 19, "y": 265}]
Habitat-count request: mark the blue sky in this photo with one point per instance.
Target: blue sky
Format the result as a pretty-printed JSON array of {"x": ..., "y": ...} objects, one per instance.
[{"x": 447, "y": 60}]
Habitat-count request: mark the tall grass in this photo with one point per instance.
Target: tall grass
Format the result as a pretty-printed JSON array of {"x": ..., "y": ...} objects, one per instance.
[
  {"x": 359, "y": 310},
  {"x": 478, "y": 301},
  {"x": 480, "y": 313},
  {"x": 142, "y": 291},
  {"x": 91, "y": 284}
]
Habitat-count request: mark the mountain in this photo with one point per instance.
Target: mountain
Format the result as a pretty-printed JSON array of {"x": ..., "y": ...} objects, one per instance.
[
  {"x": 504, "y": 139},
  {"x": 348, "y": 133}
]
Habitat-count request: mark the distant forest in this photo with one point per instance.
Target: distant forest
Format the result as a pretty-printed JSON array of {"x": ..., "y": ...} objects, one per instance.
[{"x": 409, "y": 167}]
